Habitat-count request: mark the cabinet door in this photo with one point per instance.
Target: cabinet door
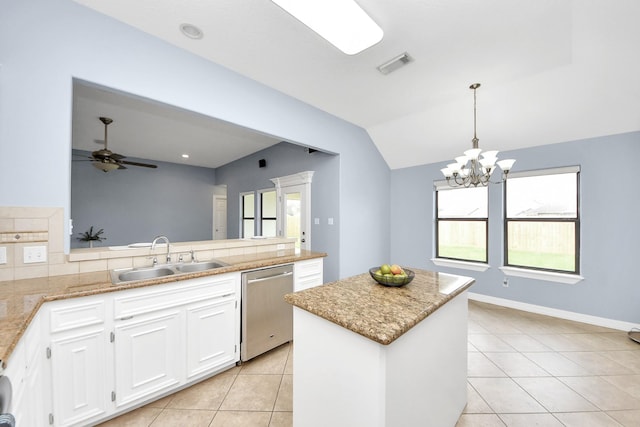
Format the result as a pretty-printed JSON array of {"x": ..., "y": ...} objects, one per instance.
[
  {"x": 79, "y": 372},
  {"x": 148, "y": 356},
  {"x": 212, "y": 335}
]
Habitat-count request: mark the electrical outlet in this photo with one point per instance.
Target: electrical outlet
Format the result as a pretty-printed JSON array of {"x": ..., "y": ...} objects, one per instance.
[
  {"x": 505, "y": 283},
  {"x": 280, "y": 247},
  {"x": 32, "y": 254},
  {"x": 3, "y": 255}
]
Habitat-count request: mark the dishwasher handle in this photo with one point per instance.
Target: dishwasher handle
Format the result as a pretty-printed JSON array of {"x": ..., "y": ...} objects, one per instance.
[{"x": 262, "y": 279}]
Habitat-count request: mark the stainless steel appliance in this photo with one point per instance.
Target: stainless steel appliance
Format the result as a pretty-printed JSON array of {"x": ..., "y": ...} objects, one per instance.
[{"x": 267, "y": 320}]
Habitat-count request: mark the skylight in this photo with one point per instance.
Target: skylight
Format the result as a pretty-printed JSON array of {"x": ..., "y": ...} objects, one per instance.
[{"x": 341, "y": 22}]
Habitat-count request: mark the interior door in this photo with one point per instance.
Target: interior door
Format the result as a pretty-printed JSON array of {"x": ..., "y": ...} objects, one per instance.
[
  {"x": 295, "y": 215},
  {"x": 219, "y": 218}
]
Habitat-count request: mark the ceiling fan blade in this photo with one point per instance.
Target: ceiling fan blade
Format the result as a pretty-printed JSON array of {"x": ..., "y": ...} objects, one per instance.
[
  {"x": 144, "y": 165},
  {"x": 117, "y": 156}
]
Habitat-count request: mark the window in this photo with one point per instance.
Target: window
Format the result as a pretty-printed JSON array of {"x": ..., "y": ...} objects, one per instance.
[
  {"x": 268, "y": 210},
  {"x": 462, "y": 223},
  {"x": 247, "y": 205},
  {"x": 542, "y": 222}
]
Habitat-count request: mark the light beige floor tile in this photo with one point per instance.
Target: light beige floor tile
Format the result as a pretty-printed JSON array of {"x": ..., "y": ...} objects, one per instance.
[
  {"x": 601, "y": 393},
  {"x": 530, "y": 420},
  {"x": 556, "y": 364},
  {"x": 271, "y": 363},
  {"x": 484, "y": 342},
  {"x": 205, "y": 395},
  {"x": 586, "y": 419},
  {"x": 620, "y": 341},
  {"x": 161, "y": 403},
  {"x": 288, "y": 367},
  {"x": 478, "y": 365},
  {"x": 284, "y": 401},
  {"x": 241, "y": 419},
  {"x": 281, "y": 419},
  {"x": 475, "y": 403},
  {"x": 554, "y": 395},
  {"x": 142, "y": 417},
  {"x": 628, "y": 383},
  {"x": 524, "y": 343},
  {"x": 516, "y": 365},
  {"x": 626, "y": 418},
  {"x": 475, "y": 328},
  {"x": 499, "y": 326},
  {"x": 629, "y": 359},
  {"x": 596, "y": 364},
  {"x": 505, "y": 396},
  {"x": 252, "y": 393},
  {"x": 596, "y": 342},
  {"x": 183, "y": 417},
  {"x": 479, "y": 420},
  {"x": 559, "y": 342}
]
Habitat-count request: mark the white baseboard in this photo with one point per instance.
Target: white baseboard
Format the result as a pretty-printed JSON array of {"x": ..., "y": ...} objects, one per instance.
[{"x": 562, "y": 314}]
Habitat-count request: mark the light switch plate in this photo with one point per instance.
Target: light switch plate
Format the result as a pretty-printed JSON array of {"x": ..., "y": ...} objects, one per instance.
[
  {"x": 33, "y": 254},
  {"x": 3, "y": 255}
]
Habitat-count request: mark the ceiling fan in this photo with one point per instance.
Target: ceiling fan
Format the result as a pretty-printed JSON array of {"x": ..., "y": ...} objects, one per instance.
[{"x": 106, "y": 160}]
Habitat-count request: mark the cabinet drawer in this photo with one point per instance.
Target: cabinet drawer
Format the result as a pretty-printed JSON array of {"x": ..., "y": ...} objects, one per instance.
[
  {"x": 308, "y": 267},
  {"x": 148, "y": 299},
  {"x": 76, "y": 313}
]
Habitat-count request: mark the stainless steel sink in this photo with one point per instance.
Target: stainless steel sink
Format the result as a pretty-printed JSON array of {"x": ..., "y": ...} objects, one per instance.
[
  {"x": 144, "y": 274},
  {"x": 199, "y": 266}
]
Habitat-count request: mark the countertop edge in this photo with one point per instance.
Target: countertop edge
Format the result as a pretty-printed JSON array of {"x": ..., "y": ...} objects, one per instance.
[
  {"x": 231, "y": 268},
  {"x": 384, "y": 339}
]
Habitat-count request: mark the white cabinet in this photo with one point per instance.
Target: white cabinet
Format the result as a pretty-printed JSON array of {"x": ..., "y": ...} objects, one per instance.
[
  {"x": 25, "y": 371},
  {"x": 79, "y": 374},
  {"x": 80, "y": 361},
  {"x": 212, "y": 335},
  {"x": 148, "y": 356},
  {"x": 172, "y": 334},
  {"x": 307, "y": 274}
]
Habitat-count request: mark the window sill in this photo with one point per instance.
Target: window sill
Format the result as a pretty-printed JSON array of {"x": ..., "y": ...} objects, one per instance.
[
  {"x": 570, "y": 279},
  {"x": 465, "y": 265}
]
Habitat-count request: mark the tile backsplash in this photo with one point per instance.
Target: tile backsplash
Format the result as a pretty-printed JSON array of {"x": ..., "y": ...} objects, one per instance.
[{"x": 22, "y": 227}]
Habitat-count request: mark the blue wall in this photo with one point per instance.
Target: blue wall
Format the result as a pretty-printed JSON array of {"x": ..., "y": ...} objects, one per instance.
[
  {"x": 68, "y": 40},
  {"x": 137, "y": 204},
  {"x": 609, "y": 206},
  {"x": 285, "y": 159}
]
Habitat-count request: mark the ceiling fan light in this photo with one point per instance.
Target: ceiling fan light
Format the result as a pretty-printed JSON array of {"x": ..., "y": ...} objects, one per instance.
[
  {"x": 341, "y": 22},
  {"x": 105, "y": 166}
]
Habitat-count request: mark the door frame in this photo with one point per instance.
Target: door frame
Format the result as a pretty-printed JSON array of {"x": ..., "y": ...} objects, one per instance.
[{"x": 303, "y": 179}]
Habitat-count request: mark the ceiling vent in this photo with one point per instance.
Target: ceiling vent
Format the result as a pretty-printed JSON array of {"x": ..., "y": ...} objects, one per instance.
[{"x": 395, "y": 63}]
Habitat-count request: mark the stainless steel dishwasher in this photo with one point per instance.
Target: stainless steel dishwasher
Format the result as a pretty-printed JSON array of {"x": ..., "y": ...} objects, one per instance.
[{"x": 267, "y": 320}]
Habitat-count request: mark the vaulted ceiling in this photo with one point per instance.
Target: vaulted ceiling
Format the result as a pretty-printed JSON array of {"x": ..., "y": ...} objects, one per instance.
[{"x": 551, "y": 70}]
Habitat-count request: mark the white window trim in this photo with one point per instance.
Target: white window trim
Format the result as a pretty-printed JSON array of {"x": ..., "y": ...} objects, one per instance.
[
  {"x": 549, "y": 276},
  {"x": 464, "y": 265}
]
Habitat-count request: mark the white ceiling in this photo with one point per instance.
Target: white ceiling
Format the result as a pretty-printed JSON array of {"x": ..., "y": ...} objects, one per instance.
[{"x": 551, "y": 70}]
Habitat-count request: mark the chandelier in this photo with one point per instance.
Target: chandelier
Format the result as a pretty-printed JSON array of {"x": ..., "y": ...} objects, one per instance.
[{"x": 475, "y": 166}]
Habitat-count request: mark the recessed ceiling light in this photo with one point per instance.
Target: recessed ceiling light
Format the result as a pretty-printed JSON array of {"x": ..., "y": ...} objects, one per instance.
[
  {"x": 341, "y": 22},
  {"x": 185, "y": 156},
  {"x": 191, "y": 31}
]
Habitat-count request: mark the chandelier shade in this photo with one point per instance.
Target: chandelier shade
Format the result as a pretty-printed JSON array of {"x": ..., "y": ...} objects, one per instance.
[{"x": 475, "y": 166}]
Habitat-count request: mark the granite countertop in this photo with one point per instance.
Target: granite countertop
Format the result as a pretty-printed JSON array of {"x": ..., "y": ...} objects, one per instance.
[
  {"x": 377, "y": 312},
  {"x": 21, "y": 299}
]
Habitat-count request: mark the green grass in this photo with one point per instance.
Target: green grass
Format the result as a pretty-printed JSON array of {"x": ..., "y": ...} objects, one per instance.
[{"x": 561, "y": 262}]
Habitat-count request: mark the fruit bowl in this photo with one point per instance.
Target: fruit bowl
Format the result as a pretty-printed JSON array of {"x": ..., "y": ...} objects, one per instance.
[{"x": 392, "y": 280}]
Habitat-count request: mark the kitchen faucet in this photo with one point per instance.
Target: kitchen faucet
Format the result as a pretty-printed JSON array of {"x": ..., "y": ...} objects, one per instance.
[{"x": 153, "y": 246}]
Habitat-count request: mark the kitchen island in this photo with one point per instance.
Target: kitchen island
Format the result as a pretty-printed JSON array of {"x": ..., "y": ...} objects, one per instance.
[{"x": 370, "y": 355}]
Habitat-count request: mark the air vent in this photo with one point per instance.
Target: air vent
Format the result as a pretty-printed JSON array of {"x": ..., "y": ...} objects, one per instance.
[{"x": 395, "y": 63}]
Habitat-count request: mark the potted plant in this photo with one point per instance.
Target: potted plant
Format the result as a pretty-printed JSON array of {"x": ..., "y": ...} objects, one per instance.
[{"x": 90, "y": 236}]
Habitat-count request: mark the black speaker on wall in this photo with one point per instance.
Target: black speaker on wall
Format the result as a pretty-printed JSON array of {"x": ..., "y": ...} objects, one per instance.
[{"x": 262, "y": 163}]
